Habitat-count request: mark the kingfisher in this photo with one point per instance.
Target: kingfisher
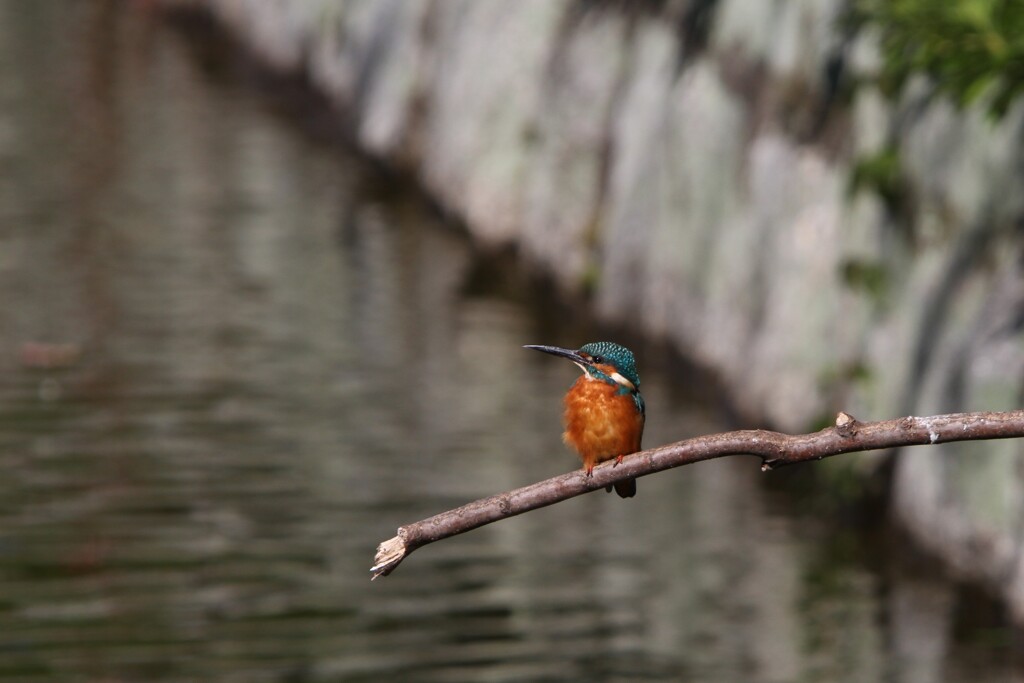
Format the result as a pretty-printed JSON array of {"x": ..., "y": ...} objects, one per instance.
[{"x": 604, "y": 411}]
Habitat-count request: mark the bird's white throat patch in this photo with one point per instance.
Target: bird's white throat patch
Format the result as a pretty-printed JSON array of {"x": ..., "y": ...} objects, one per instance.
[{"x": 616, "y": 377}]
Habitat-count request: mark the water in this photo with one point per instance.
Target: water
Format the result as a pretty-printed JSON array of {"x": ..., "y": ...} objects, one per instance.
[{"x": 233, "y": 359}]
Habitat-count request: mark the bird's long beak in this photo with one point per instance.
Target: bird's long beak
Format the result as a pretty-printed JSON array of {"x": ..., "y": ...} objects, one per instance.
[{"x": 574, "y": 356}]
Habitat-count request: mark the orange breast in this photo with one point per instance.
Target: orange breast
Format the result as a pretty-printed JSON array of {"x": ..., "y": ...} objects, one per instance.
[{"x": 600, "y": 422}]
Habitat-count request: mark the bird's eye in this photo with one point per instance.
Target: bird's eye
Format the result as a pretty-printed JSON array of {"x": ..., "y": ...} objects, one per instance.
[{"x": 598, "y": 359}]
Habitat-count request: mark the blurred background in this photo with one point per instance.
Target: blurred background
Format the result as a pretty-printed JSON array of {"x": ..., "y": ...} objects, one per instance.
[{"x": 267, "y": 267}]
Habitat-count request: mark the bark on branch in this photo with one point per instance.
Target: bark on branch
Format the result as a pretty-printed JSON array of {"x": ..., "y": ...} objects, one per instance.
[{"x": 774, "y": 449}]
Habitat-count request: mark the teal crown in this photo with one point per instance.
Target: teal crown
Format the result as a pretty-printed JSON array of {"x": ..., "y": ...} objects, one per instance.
[{"x": 617, "y": 356}]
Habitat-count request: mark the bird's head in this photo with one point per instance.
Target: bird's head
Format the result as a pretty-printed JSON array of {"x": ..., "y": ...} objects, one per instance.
[{"x": 606, "y": 361}]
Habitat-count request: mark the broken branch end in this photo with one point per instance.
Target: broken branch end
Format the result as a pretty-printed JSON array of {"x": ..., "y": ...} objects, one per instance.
[{"x": 389, "y": 555}]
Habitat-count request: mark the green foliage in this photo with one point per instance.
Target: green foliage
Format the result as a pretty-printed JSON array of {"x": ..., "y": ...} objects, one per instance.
[
  {"x": 969, "y": 48},
  {"x": 880, "y": 172},
  {"x": 590, "y": 278},
  {"x": 866, "y": 276}
]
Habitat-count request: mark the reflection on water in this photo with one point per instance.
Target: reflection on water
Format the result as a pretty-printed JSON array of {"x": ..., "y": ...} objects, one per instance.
[{"x": 231, "y": 362}]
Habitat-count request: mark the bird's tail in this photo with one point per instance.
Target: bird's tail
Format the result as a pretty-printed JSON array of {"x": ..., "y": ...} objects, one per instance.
[{"x": 625, "y": 489}]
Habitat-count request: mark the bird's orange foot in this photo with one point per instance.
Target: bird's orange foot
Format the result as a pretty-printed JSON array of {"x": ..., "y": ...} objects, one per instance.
[
  {"x": 590, "y": 470},
  {"x": 618, "y": 460}
]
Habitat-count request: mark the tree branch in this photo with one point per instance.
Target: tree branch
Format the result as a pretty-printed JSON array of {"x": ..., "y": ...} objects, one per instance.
[{"x": 774, "y": 449}]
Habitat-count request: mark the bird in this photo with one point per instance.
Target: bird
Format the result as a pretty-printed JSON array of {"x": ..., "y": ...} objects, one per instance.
[{"x": 604, "y": 411}]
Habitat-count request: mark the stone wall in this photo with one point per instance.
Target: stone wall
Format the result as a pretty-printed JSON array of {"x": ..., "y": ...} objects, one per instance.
[{"x": 694, "y": 165}]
